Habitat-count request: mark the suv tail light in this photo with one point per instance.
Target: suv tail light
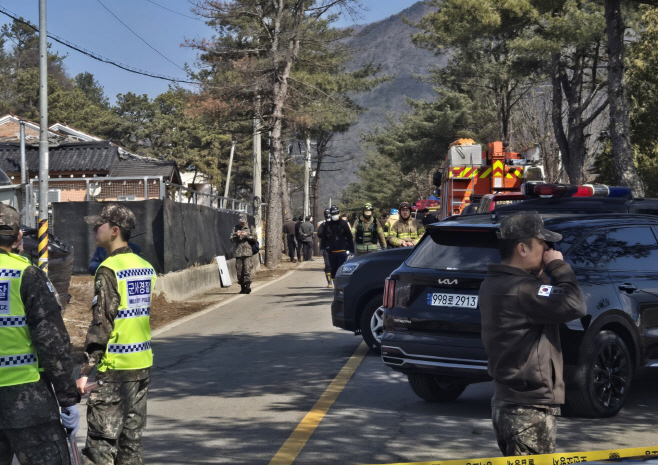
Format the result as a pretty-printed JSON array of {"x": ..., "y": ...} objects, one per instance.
[{"x": 389, "y": 293}]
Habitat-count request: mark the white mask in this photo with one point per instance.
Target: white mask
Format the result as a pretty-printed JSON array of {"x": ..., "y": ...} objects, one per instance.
[{"x": 335, "y": 217}]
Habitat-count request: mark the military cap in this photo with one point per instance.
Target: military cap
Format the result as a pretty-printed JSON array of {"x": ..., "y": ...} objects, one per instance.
[
  {"x": 243, "y": 217},
  {"x": 116, "y": 214},
  {"x": 10, "y": 222},
  {"x": 524, "y": 226}
]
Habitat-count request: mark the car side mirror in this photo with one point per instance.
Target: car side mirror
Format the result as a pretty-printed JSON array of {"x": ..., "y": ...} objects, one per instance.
[{"x": 437, "y": 178}]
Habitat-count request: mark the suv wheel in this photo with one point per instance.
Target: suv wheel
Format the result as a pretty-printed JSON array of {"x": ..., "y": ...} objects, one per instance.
[
  {"x": 603, "y": 378},
  {"x": 372, "y": 323},
  {"x": 433, "y": 388}
]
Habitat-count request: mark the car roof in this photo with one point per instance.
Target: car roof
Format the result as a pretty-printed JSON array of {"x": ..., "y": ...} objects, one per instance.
[{"x": 492, "y": 221}]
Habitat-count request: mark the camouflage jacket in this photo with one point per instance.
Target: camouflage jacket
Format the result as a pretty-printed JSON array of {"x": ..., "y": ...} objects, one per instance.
[
  {"x": 243, "y": 244},
  {"x": 104, "y": 309},
  {"x": 32, "y": 404}
]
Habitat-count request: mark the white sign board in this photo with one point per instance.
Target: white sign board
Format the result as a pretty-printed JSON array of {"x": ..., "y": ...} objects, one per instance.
[{"x": 223, "y": 271}]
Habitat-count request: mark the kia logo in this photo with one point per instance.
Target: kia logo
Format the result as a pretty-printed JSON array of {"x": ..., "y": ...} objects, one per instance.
[{"x": 448, "y": 281}]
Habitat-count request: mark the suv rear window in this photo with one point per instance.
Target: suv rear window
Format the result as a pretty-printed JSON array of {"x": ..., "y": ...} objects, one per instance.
[{"x": 463, "y": 249}]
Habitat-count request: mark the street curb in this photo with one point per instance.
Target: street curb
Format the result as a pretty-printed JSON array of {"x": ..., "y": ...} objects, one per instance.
[{"x": 166, "y": 328}]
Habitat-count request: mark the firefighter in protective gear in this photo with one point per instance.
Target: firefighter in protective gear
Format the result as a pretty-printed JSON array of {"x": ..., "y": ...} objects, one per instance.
[
  {"x": 119, "y": 344},
  {"x": 337, "y": 240},
  {"x": 368, "y": 232},
  {"x": 407, "y": 231},
  {"x": 325, "y": 254},
  {"x": 36, "y": 369}
]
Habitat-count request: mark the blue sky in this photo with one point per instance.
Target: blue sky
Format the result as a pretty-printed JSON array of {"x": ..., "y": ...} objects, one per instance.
[{"x": 87, "y": 24}]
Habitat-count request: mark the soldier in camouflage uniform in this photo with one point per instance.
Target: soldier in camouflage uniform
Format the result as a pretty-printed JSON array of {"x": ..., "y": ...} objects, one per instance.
[
  {"x": 118, "y": 344},
  {"x": 244, "y": 236},
  {"x": 32, "y": 336},
  {"x": 523, "y": 301}
]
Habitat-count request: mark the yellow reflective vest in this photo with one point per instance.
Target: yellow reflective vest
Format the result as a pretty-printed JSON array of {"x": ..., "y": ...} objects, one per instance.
[
  {"x": 18, "y": 358},
  {"x": 130, "y": 342}
]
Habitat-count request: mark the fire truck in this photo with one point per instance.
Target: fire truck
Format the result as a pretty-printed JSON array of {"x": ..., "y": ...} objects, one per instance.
[{"x": 471, "y": 172}]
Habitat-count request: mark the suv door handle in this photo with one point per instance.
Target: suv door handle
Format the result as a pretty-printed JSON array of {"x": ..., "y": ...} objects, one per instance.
[{"x": 628, "y": 287}]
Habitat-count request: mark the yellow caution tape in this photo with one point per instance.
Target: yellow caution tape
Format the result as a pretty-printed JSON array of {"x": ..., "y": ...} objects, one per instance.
[{"x": 550, "y": 459}]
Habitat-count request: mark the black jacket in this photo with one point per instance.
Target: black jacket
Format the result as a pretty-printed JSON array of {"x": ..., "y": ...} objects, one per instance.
[
  {"x": 521, "y": 314},
  {"x": 337, "y": 236}
]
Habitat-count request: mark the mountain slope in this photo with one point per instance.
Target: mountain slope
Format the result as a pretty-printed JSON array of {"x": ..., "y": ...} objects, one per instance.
[{"x": 386, "y": 42}]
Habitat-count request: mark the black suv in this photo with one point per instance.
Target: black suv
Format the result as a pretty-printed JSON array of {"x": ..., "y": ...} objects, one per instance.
[
  {"x": 432, "y": 319},
  {"x": 359, "y": 291}
]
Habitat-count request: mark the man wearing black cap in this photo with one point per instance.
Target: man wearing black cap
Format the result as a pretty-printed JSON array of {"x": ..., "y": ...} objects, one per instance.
[
  {"x": 118, "y": 344},
  {"x": 36, "y": 369},
  {"x": 522, "y": 303}
]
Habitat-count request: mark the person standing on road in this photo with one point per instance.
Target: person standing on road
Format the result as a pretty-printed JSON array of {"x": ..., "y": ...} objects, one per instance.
[
  {"x": 244, "y": 237},
  {"x": 36, "y": 369},
  {"x": 289, "y": 232},
  {"x": 406, "y": 232},
  {"x": 367, "y": 232},
  {"x": 323, "y": 250},
  {"x": 298, "y": 237},
  {"x": 522, "y": 302},
  {"x": 306, "y": 232},
  {"x": 337, "y": 240},
  {"x": 118, "y": 344}
]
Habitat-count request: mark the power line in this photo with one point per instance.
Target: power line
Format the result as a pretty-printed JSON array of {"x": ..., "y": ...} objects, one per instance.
[
  {"x": 94, "y": 55},
  {"x": 139, "y": 37},
  {"x": 174, "y": 11}
]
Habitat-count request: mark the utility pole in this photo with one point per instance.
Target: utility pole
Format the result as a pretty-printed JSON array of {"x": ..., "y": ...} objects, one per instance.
[
  {"x": 24, "y": 211},
  {"x": 307, "y": 177},
  {"x": 43, "y": 138},
  {"x": 228, "y": 175},
  {"x": 257, "y": 171}
]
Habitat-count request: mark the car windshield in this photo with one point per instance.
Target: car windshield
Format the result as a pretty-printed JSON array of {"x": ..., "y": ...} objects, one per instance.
[{"x": 456, "y": 249}]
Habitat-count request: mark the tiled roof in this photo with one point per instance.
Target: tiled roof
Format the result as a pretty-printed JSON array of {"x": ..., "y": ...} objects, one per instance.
[
  {"x": 130, "y": 165},
  {"x": 79, "y": 156}
]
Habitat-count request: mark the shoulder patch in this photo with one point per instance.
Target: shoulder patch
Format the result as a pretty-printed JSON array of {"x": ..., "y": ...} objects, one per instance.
[
  {"x": 545, "y": 291},
  {"x": 50, "y": 287}
]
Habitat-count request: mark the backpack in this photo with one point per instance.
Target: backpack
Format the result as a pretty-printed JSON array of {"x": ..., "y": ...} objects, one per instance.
[{"x": 255, "y": 248}]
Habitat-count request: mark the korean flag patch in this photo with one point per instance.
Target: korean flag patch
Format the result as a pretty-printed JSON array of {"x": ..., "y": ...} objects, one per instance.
[{"x": 545, "y": 291}]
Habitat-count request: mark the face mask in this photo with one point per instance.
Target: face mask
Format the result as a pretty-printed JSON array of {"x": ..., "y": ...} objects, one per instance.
[{"x": 335, "y": 217}]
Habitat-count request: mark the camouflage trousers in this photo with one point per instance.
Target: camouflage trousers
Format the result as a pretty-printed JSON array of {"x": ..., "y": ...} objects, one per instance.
[
  {"x": 525, "y": 429},
  {"x": 116, "y": 417},
  {"x": 37, "y": 445},
  {"x": 243, "y": 268}
]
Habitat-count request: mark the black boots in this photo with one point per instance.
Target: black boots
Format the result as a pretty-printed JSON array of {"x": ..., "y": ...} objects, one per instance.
[{"x": 247, "y": 288}]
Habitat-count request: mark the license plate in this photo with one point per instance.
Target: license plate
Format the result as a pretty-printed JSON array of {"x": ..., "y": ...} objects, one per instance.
[{"x": 452, "y": 300}]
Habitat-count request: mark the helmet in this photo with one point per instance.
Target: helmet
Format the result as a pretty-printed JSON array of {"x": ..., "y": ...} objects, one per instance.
[
  {"x": 368, "y": 207},
  {"x": 327, "y": 214},
  {"x": 405, "y": 205},
  {"x": 394, "y": 211},
  {"x": 334, "y": 210}
]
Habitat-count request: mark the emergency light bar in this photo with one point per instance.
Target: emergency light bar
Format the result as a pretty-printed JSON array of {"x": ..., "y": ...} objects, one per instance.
[{"x": 549, "y": 191}]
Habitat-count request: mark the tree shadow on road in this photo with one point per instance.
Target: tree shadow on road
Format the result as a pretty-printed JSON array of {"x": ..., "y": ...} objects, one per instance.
[{"x": 236, "y": 398}]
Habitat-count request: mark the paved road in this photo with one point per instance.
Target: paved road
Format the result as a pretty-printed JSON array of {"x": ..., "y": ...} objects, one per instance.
[{"x": 231, "y": 385}]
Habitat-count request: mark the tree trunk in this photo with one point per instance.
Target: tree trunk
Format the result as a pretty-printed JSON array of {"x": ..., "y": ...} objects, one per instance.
[{"x": 620, "y": 134}]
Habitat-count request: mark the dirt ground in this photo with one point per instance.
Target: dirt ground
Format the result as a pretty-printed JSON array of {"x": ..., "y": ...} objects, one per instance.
[{"x": 77, "y": 315}]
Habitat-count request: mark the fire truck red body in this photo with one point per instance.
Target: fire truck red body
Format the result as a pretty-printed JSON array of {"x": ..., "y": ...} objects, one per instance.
[{"x": 470, "y": 171}]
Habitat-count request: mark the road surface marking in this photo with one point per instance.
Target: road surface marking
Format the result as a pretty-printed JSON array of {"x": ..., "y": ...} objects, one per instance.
[
  {"x": 562, "y": 458},
  {"x": 159, "y": 331},
  {"x": 297, "y": 440}
]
